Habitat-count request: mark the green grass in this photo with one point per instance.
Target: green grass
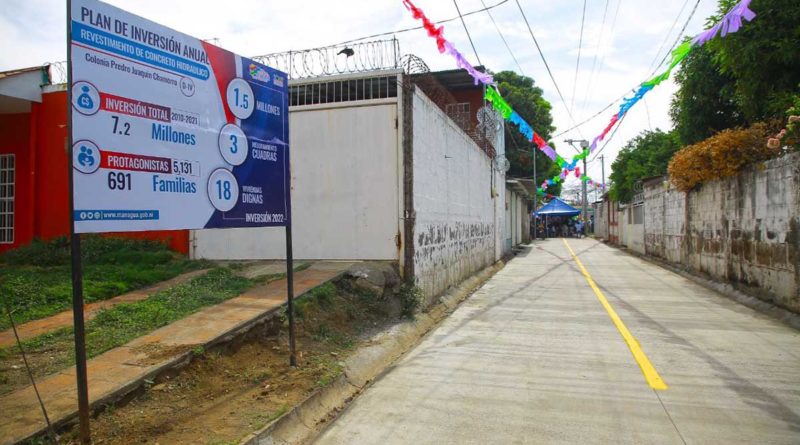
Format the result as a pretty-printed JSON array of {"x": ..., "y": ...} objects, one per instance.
[
  {"x": 36, "y": 280},
  {"x": 122, "y": 323},
  {"x": 320, "y": 296},
  {"x": 331, "y": 368}
]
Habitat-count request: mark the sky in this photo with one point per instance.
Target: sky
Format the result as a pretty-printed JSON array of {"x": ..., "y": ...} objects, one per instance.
[{"x": 623, "y": 49}]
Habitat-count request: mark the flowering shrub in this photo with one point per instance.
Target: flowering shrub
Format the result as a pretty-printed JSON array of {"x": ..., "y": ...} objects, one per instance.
[
  {"x": 720, "y": 156},
  {"x": 790, "y": 135}
]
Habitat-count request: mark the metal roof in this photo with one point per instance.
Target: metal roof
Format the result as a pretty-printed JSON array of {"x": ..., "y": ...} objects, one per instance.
[
  {"x": 18, "y": 71},
  {"x": 457, "y": 79}
]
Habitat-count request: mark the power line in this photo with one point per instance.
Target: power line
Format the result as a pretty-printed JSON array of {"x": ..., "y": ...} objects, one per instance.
[
  {"x": 504, "y": 39},
  {"x": 398, "y": 31},
  {"x": 578, "y": 62},
  {"x": 666, "y": 37},
  {"x": 594, "y": 60},
  {"x": 680, "y": 35},
  {"x": 678, "y": 39},
  {"x": 50, "y": 431},
  {"x": 464, "y": 24},
  {"x": 546, "y": 65},
  {"x": 611, "y": 32},
  {"x": 592, "y": 117},
  {"x": 608, "y": 141}
]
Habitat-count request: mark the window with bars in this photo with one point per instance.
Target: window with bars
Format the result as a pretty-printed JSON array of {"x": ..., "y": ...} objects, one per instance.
[
  {"x": 7, "y": 167},
  {"x": 345, "y": 90},
  {"x": 638, "y": 214}
]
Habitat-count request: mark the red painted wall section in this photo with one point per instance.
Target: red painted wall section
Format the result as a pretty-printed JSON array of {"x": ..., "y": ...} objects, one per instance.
[
  {"x": 14, "y": 139},
  {"x": 52, "y": 204},
  {"x": 39, "y": 139}
]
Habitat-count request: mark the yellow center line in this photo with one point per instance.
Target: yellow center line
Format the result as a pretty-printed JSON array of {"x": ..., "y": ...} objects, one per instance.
[{"x": 649, "y": 371}]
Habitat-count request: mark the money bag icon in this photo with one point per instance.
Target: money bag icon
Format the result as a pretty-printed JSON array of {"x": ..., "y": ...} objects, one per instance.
[
  {"x": 85, "y": 158},
  {"x": 85, "y": 100}
]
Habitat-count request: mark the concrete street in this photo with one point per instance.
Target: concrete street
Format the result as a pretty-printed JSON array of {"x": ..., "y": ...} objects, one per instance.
[{"x": 534, "y": 357}]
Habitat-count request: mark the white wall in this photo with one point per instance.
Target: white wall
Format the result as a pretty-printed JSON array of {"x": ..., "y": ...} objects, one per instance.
[
  {"x": 601, "y": 219},
  {"x": 345, "y": 198},
  {"x": 517, "y": 225},
  {"x": 524, "y": 220},
  {"x": 454, "y": 233},
  {"x": 508, "y": 232},
  {"x": 630, "y": 235},
  {"x": 500, "y": 222}
]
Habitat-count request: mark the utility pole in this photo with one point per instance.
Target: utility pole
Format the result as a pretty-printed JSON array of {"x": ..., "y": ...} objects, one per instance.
[
  {"x": 584, "y": 144},
  {"x": 535, "y": 193},
  {"x": 603, "y": 170},
  {"x": 585, "y": 198}
]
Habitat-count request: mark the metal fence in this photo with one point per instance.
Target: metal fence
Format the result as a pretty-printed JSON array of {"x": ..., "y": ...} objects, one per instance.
[
  {"x": 336, "y": 59},
  {"x": 343, "y": 89},
  {"x": 57, "y": 72}
]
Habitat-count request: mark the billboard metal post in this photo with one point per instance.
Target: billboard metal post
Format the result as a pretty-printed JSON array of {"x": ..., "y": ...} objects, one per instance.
[
  {"x": 290, "y": 263},
  {"x": 77, "y": 272},
  {"x": 290, "y": 293}
]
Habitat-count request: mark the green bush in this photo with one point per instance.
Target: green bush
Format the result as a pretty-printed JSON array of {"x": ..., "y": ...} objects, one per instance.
[
  {"x": 95, "y": 249},
  {"x": 324, "y": 294},
  {"x": 39, "y": 253},
  {"x": 411, "y": 297},
  {"x": 720, "y": 156}
]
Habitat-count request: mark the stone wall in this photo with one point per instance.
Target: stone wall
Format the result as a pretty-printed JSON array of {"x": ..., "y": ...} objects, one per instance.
[
  {"x": 664, "y": 221},
  {"x": 744, "y": 230},
  {"x": 454, "y": 230}
]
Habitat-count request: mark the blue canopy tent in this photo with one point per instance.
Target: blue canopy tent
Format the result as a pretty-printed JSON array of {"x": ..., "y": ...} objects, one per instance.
[{"x": 557, "y": 207}]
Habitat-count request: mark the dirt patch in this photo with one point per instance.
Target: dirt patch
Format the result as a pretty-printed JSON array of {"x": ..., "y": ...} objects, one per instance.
[
  {"x": 157, "y": 352},
  {"x": 45, "y": 361},
  {"x": 225, "y": 394}
]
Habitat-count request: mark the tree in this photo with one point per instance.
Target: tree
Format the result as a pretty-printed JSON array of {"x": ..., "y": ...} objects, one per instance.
[
  {"x": 704, "y": 103},
  {"x": 648, "y": 154},
  {"x": 763, "y": 57},
  {"x": 526, "y": 98}
]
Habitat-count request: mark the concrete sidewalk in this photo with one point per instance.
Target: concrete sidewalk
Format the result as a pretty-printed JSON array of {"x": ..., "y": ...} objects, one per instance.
[
  {"x": 63, "y": 319},
  {"x": 534, "y": 357},
  {"x": 123, "y": 369}
]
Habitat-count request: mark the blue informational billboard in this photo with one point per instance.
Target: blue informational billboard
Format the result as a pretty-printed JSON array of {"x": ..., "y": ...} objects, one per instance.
[{"x": 171, "y": 132}]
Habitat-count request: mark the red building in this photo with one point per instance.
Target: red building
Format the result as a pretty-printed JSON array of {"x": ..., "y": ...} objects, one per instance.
[{"x": 34, "y": 164}]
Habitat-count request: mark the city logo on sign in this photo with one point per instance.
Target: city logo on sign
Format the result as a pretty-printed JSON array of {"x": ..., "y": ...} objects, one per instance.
[
  {"x": 258, "y": 74},
  {"x": 278, "y": 80}
]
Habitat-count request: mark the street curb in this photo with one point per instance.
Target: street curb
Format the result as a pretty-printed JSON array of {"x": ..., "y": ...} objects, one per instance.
[
  {"x": 306, "y": 420},
  {"x": 726, "y": 290},
  {"x": 175, "y": 363}
]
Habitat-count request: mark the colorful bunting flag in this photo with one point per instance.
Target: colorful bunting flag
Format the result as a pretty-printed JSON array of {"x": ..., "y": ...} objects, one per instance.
[
  {"x": 446, "y": 47},
  {"x": 730, "y": 23}
]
